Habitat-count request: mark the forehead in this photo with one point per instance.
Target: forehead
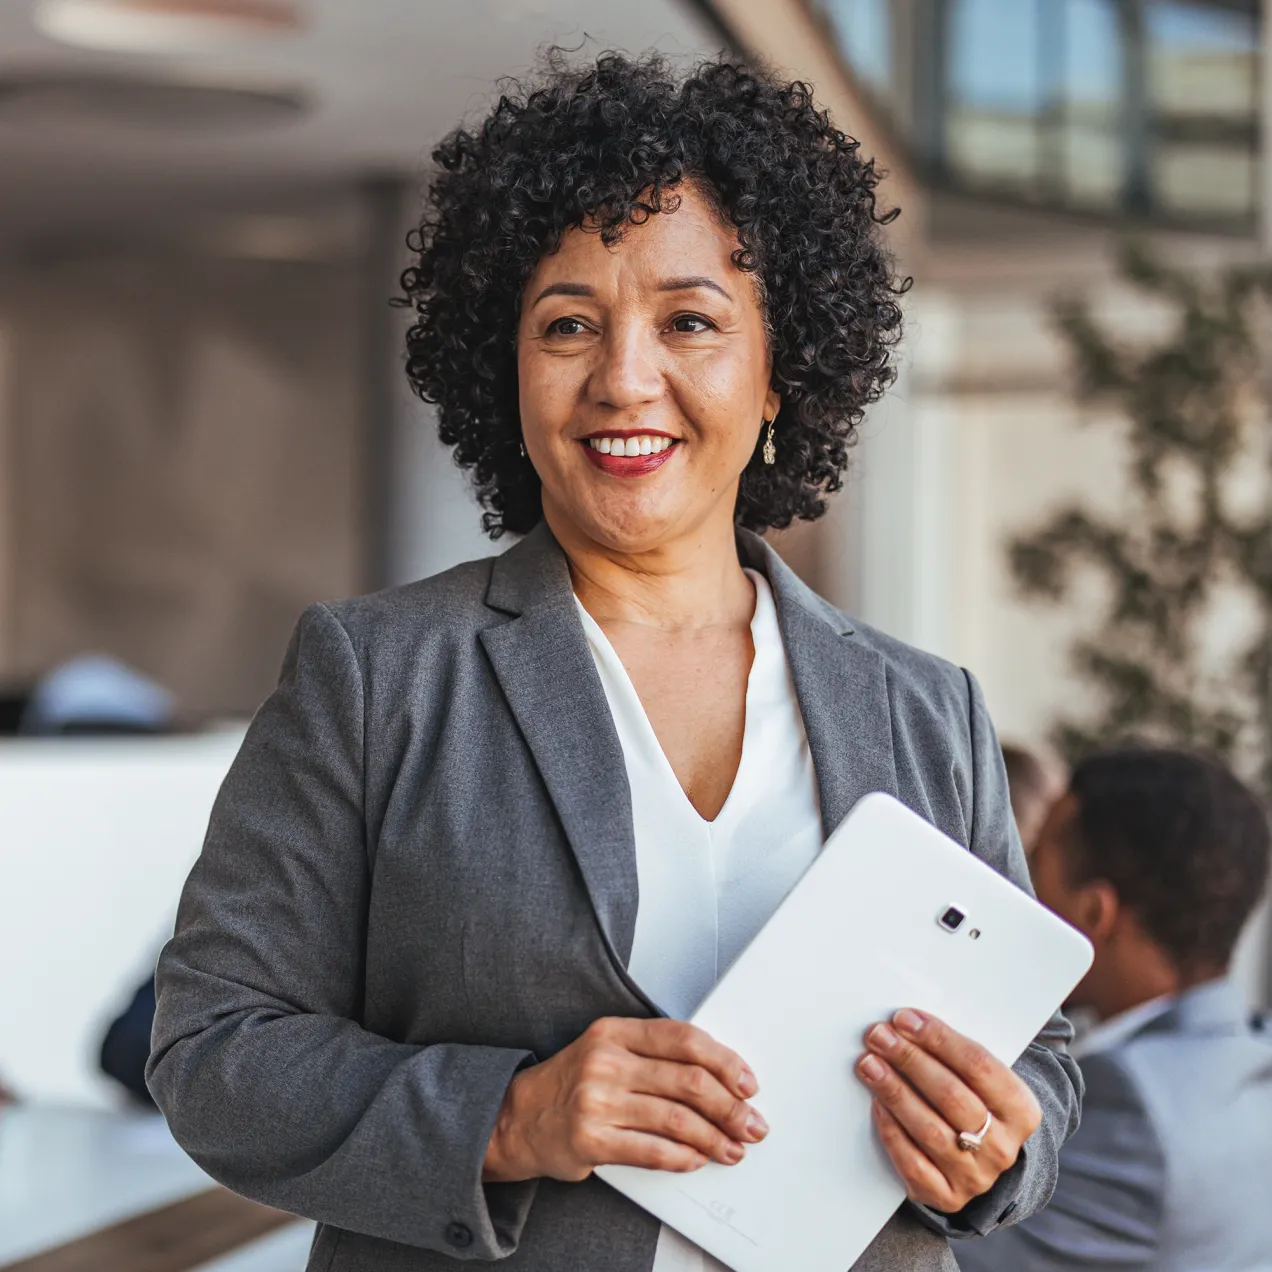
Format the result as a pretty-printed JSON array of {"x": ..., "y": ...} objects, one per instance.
[{"x": 691, "y": 240}]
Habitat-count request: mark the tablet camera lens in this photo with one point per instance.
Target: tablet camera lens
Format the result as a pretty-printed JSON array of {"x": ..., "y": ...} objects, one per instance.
[{"x": 952, "y": 919}]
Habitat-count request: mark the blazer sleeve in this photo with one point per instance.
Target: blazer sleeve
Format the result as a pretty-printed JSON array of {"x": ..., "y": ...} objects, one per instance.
[
  {"x": 1052, "y": 1074},
  {"x": 258, "y": 1059},
  {"x": 1107, "y": 1210}
]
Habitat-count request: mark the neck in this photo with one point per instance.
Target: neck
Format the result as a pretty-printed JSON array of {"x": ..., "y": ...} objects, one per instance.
[
  {"x": 1153, "y": 979},
  {"x": 693, "y": 581}
]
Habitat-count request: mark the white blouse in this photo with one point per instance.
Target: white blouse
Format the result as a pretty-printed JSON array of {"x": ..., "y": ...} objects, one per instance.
[{"x": 707, "y": 887}]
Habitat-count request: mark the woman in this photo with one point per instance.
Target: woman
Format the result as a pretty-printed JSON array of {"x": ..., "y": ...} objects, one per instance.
[{"x": 491, "y": 826}]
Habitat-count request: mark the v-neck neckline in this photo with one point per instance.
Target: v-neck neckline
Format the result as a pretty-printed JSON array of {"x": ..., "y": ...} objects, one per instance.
[{"x": 649, "y": 738}]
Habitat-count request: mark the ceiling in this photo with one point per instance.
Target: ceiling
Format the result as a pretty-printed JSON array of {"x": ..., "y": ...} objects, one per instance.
[{"x": 382, "y": 79}]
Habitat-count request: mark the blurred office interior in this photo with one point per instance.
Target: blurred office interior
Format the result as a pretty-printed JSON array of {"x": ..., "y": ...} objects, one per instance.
[{"x": 204, "y": 424}]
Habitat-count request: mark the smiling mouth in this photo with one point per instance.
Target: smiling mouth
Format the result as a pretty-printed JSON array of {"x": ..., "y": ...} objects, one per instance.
[
  {"x": 631, "y": 445},
  {"x": 629, "y": 454}
]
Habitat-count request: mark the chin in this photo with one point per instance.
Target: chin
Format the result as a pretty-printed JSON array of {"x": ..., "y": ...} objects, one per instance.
[
  {"x": 629, "y": 523},
  {"x": 630, "y": 535}
]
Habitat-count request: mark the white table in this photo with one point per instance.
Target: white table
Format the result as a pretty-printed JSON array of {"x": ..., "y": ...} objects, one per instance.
[
  {"x": 66, "y": 1173},
  {"x": 97, "y": 836}
]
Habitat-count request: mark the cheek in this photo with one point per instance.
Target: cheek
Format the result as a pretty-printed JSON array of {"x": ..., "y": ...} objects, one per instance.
[
  {"x": 724, "y": 398},
  {"x": 1054, "y": 895},
  {"x": 545, "y": 389}
]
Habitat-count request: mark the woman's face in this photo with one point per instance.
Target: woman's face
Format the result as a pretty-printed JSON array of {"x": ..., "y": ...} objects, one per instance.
[{"x": 644, "y": 377}]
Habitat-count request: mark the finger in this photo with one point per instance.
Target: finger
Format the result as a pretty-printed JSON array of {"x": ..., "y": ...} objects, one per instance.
[
  {"x": 939, "y": 1085},
  {"x": 999, "y": 1089},
  {"x": 702, "y": 1091},
  {"x": 652, "y": 1152},
  {"x": 923, "y": 1182},
  {"x": 677, "y": 1122},
  {"x": 929, "y": 1131},
  {"x": 678, "y": 1040}
]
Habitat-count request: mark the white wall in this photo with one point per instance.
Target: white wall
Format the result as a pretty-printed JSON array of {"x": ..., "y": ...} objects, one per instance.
[
  {"x": 436, "y": 520},
  {"x": 96, "y": 839}
]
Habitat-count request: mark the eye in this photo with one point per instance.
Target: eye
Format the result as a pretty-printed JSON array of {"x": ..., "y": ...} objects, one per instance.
[
  {"x": 566, "y": 327},
  {"x": 690, "y": 324}
]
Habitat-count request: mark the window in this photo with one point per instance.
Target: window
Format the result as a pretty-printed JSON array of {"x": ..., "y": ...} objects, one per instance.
[
  {"x": 1202, "y": 83},
  {"x": 1088, "y": 104},
  {"x": 863, "y": 30},
  {"x": 996, "y": 91},
  {"x": 1143, "y": 107}
]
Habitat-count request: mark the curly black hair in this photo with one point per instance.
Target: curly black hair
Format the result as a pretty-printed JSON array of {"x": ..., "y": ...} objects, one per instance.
[
  {"x": 607, "y": 144},
  {"x": 1180, "y": 838}
]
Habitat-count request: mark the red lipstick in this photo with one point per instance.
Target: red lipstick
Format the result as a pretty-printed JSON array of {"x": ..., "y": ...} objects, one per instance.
[{"x": 628, "y": 465}]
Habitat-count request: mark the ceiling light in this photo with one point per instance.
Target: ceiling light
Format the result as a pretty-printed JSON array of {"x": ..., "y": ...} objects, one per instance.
[{"x": 163, "y": 26}]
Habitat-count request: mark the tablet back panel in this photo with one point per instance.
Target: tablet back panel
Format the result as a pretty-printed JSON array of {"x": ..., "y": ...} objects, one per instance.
[{"x": 858, "y": 938}]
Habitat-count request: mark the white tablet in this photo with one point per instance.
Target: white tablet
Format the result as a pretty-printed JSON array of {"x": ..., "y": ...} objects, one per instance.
[{"x": 891, "y": 914}]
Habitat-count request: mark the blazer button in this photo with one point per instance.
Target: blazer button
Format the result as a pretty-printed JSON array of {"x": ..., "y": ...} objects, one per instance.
[{"x": 458, "y": 1235}]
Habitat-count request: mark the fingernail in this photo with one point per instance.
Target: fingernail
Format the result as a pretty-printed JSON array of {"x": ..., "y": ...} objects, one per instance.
[
  {"x": 908, "y": 1021},
  {"x": 756, "y": 1126},
  {"x": 734, "y": 1154},
  {"x": 747, "y": 1084},
  {"x": 882, "y": 1037},
  {"x": 871, "y": 1069}
]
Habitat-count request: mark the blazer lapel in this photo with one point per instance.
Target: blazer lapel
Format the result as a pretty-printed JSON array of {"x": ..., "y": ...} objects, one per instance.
[
  {"x": 841, "y": 685},
  {"x": 545, "y": 669}
]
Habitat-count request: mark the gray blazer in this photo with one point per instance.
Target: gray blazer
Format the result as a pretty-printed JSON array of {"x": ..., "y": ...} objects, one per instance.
[
  {"x": 1172, "y": 1169},
  {"x": 420, "y": 876}
]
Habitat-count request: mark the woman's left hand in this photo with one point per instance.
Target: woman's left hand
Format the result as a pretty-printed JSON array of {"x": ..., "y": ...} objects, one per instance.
[{"x": 930, "y": 1083}]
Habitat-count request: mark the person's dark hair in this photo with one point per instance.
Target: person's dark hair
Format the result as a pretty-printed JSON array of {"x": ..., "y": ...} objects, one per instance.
[
  {"x": 607, "y": 144},
  {"x": 1182, "y": 840}
]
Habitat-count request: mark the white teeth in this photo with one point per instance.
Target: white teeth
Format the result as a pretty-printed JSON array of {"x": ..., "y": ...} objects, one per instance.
[{"x": 646, "y": 444}]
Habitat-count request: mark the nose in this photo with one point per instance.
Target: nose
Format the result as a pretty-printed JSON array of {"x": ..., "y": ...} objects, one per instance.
[{"x": 628, "y": 374}]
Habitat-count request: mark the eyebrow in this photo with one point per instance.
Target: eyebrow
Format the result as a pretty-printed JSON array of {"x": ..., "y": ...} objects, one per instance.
[
  {"x": 691, "y": 283},
  {"x": 564, "y": 289}
]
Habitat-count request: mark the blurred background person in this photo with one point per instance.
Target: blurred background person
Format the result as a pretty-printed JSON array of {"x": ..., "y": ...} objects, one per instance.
[
  {"x": 1159, "y": 857},
  {"x": 126, "y": 1046},
  {"x": 1036, "y": 779},
  {"x": 96, "y": 696}
]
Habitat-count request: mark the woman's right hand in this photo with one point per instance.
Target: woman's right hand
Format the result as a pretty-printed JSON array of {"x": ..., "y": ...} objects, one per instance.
[{"x": 655, "y": 1093}]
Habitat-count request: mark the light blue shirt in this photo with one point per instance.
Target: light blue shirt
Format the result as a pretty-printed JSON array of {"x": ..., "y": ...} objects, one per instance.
[{"x": 1171, "y": 1168}]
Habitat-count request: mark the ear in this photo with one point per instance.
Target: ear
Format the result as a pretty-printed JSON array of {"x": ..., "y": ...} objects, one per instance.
[
  {"x": 1098, "y": 909},
  {"x": 772, "y": 404}
]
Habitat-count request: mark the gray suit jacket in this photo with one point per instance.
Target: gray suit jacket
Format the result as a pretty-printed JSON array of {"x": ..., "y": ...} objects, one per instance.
[
  {"x": 1172, "y": 1168},
  {"x": 420, "y": 876}
]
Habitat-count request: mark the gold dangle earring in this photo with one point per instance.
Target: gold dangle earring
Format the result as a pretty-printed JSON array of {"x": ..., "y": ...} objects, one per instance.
[{"x": 770, "y": 449}]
